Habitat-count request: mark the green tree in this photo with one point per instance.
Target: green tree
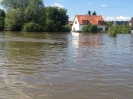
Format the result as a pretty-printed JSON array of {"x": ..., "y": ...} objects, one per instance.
[
  {"x": 15, "y": 4},
  {"x": 2, "y": 19},
  {"x": 94, "y": 13},
  {"x": 20, "y": 12},
  {"x": 2, "y": 13},
  {"x": 56, "y": 18},
  {"x": 13, "y": 21}
]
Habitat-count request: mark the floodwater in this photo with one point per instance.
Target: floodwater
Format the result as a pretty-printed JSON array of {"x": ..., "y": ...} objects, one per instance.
[{"x": 65, "y": 66}]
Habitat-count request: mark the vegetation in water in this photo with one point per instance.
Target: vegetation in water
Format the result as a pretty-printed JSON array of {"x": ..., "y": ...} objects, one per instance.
[
  {"x": 90, "y": 29},
  {"x": 119, "y": 29}
]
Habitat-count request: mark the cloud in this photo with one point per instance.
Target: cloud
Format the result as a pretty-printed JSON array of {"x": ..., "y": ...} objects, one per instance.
[
  {"x": 118, "y": 18},
  {"x": 57, "y": 5},
  {"x": 104, "y": 6},
  {"x": 89, "y": 3}
]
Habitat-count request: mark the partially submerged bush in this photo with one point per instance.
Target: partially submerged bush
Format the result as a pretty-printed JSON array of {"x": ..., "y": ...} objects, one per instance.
[
  {"x": 66, "y": 28},
  {"x": 119, "y": 29},
  {"x": 90, "y": 29},
  {"x": 32, "y": 27}
]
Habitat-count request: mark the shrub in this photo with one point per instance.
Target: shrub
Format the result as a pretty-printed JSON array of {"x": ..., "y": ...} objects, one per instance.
[
  {"x": 32, "y": 27},
  {"x": 90, "y": 29},
  {"x": 66, "y": 28},
  {"x": 119, "y": 29}
]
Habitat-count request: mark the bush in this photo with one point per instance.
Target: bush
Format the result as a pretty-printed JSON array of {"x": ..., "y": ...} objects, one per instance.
[
  {"x": 119, "y": 29},
  {"x": 32, "y": 27},
  {"x": 66, "y": 28},
  {"x": 90, "y": 29}
]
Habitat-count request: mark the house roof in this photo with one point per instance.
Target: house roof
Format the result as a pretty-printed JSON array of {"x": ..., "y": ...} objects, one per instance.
[{"x": 91, "y": 19}]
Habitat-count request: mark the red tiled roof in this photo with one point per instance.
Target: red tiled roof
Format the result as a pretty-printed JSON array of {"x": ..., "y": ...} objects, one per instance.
[{"x": 91, "y": 19}]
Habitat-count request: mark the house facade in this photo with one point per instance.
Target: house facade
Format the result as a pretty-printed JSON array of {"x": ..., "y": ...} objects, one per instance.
[
  {"x": 82, "y": 20},
  {"x": 131, "y": 22}
]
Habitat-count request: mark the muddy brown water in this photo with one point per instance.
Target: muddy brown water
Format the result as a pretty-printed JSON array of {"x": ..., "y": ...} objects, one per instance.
[{"x": 65, "y": 66}]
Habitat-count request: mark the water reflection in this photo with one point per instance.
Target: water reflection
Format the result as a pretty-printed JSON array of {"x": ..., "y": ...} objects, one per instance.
[
  {"x": 90, "y": 41},
  {"x": 86, "y": 45}
]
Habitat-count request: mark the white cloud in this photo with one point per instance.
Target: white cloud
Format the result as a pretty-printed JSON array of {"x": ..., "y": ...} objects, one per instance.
[
  {"x": 89, "y": 3},
  {"x": 118, "y": 18},
  {"x": 103, "y": 5},
  {"x": 57, "y": 5}
]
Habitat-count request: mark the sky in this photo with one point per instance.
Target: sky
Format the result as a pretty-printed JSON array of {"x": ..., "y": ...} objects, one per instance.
[
  {"x": 111, "y": 10},
  {"x": 116, "y": 10}
]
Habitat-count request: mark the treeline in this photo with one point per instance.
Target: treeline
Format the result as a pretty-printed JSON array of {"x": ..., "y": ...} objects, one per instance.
[{"x": 32, "y": 16}]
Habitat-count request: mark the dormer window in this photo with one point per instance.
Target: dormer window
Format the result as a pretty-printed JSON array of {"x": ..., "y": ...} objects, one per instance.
[{"x": 85, "y": 21}]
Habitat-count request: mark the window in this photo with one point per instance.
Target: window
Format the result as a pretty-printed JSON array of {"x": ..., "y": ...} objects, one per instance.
[
  {"x": 100, "y": 29},
  {"x": 75, "y": 22},
  {"x": 85, "y": 21}
]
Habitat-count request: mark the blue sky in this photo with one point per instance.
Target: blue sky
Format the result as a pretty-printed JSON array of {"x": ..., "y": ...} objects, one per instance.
[{"x": 109, "y": 9}]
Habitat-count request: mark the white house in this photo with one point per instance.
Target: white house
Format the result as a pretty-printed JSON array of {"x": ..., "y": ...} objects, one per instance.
[
  {"x": 131, "y": 22},
  {"x": 82, "y": 20}
]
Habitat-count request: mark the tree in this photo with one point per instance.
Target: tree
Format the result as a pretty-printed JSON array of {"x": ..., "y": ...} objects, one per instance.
[
  {"x": 20, "y": 12},
  {"x": 56, "y": 18},
  {"x": 89, "y": 12},
  {"x": 2, "y": 19},
  {"x": 35, "y": 12},
  {"x": 2, "y": 13},
  {"x": 32, "y": 15},
  {"x": 13, "y": 20},
  {"x": 94, "y": 13}
]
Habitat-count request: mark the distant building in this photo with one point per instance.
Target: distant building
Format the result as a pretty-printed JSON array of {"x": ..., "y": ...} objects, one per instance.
[
  {"x": 83, "y": 20},
  {"x": 131, "y": 22},
  {"x": 120, "y": 22},
  {"x": 70, "y": 23}
]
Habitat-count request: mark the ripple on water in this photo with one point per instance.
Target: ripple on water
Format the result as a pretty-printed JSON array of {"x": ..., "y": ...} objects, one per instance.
[{"x": 64, "y": 66}]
